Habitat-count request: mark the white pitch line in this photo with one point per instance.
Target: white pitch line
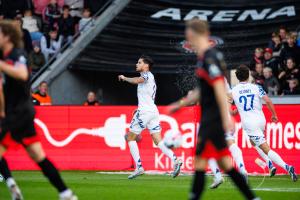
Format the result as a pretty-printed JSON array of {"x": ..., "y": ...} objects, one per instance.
[
  {"x": 278, "y": 189},
  {"x": 149, "y": 172}
]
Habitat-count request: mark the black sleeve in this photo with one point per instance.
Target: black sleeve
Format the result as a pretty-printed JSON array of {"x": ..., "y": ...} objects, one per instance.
[{"x": 215, "y": 65}]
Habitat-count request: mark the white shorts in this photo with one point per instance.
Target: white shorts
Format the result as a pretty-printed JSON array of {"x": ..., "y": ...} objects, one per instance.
[
  {"x": 257, "y": 140},
  {"x": 142, "y": 120},
  {"x": 230, "y": 135},
  {"x": 254, "y": 126},
  {"x": 256, "y": 133}
]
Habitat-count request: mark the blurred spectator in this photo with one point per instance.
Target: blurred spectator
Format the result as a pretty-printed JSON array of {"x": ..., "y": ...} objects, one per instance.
[
  {"x": 272, "y": 42},
  {"x": 26, "y": 36},
  {"x": 51, "y": 44},
  {"x": 11, "y": 8},
  {"x": 291, "y": 72},
  {"x": 294, "y": 88},
  {"x": 53, "y": 13},
  {"x": 31, "y": 24},
  {"x": 270, "y": 61},
  {"x": 40, "y": 5},
  {"x": 86, "y": 22},
  {"x": 41, "y": 97},
  {"x": 76, "y": 7},
  {"x": 277, "y": 46},
  {"x": 271, "y": 84},
  {"x": 291, "y": 49},
  {"x": 36, "y": 59},
  {"x": 91, "y": 100},
  {"x": 19, "y": 14},
  {"x": 257, "y": 58},
  {"x": 66, "y": 25},
  {"x": 283, "y": 32},
  {"x": 258, "y": 74}
]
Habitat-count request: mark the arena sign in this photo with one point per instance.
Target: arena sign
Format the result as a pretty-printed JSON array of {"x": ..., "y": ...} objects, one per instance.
[
  {"x": 227, "y": 15},
  {"x": 92, "y": 138}
]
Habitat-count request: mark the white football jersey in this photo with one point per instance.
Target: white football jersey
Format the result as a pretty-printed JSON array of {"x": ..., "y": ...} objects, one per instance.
[
  {"x": 248, "y": 99},
  {"x": 146, "y": 92}
]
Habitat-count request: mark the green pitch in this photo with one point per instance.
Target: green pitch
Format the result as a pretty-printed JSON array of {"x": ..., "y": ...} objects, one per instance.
[{"x": 92, "y": 186}]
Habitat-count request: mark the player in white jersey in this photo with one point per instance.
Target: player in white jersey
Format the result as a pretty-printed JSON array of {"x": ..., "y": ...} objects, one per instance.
[
  {"x": 233, "y": 148},
  {"x": 146, "y": 116},
  {"x": 248, "y": 99}
]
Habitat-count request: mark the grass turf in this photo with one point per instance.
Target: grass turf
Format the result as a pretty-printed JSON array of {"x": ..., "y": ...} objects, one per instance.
[{"x": 89, "y": 185}]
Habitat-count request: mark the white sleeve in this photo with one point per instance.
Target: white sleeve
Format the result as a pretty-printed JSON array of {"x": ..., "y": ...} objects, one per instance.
[
  {"x": 261, "y": 91},
  {"x": 145, "y": 76}
]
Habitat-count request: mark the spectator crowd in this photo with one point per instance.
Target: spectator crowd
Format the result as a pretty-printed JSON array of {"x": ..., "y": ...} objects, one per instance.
[
  {"x": 48, "y": 25},
  {"x": 277, "y": 67}
]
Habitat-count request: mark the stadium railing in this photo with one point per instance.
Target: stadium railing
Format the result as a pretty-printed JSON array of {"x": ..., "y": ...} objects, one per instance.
[{"x": 67, "y": 45}]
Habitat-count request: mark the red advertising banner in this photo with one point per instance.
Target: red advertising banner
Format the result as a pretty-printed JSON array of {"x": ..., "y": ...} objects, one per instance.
[{"x": 92, "y": 138}]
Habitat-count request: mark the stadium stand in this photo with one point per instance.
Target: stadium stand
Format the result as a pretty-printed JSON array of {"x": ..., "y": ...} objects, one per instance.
[
  {"x": 156, "y": 29},
  {"x": 161, "y": 37}
]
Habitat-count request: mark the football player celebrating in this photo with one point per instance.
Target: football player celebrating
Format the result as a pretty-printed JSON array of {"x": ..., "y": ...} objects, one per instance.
[
  {"x": 248, "y": 99},
  {"x": 146, "y": 116}
]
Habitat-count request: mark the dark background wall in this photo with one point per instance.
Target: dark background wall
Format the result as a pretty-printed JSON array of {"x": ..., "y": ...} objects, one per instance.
[{"x": 72, "y": 86}]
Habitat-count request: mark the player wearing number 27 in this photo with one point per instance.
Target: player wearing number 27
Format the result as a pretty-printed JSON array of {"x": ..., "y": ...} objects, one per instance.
[
  {"x": 248, "y": 99},
  {"x": 146, "y": 116}
]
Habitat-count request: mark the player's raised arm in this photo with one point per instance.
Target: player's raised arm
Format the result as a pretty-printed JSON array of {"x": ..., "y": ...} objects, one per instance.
[
  {"x": 271, "y": 107},
  {"x": 17, "y": 71},
  {"x": 134, "y": 80},
  {"x": 192, "y": 97}
]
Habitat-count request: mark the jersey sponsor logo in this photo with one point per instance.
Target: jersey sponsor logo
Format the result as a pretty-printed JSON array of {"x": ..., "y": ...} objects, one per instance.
[{"x": 227, "y": 15}]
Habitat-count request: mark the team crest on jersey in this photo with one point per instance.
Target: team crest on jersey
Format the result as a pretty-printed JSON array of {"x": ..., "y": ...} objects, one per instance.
[
  {"x": 220, "y": 56},
  {"x": 22, "y": 60},
  {"x": 214, "y": 70}
]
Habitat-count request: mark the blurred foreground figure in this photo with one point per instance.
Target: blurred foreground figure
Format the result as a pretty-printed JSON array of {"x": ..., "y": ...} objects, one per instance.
[{"x": 17, "y": 113}]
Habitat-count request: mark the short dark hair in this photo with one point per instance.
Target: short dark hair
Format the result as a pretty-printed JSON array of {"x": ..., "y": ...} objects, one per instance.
[
  {"x": 290, "y": 58},
  {"x": 86, "y": 9},
  {"x": 283, "y": 27},
  {"x": 242, "y": 72},
  {"x": 148, "y": 60},
  {"x": 198, "y": 26},
  {"x": 66, "y": 7}
]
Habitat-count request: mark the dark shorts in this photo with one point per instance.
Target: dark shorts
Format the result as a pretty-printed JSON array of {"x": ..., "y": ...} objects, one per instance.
[
  {"x": 20, "y": 129},
  {"x": 211, "y": 141}
]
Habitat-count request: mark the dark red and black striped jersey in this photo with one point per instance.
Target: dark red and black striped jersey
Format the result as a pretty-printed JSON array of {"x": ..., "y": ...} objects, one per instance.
[
  {"x": 209, "y": 69},
  {"x": 16, "y": 92}
]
